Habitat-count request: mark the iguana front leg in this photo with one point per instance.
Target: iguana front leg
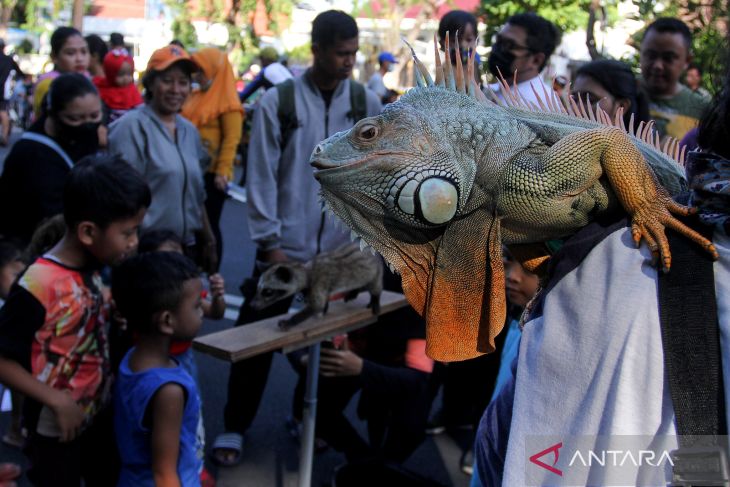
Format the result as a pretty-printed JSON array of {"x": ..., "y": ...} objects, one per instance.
[{"x": 649, "y": 205}]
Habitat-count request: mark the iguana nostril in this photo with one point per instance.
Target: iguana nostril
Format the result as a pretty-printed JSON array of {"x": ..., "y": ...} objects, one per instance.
[{"x": 318, "y": 149}]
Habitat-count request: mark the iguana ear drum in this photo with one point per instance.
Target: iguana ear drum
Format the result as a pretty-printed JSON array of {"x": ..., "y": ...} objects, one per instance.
[{"x": 438, "y": 200}]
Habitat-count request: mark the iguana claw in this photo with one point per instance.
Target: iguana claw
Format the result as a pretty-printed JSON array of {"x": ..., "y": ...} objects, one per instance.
[{"x": 649, "y": 222}]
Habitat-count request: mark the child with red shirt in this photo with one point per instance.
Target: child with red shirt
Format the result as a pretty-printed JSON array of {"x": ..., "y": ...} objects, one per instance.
[
  {"x": 53, "y": 327},
  {"x": 116, "y": 87}
]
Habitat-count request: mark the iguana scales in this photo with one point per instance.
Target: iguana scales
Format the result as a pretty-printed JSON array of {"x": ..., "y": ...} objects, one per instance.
[{"x": 440, "y": 179}]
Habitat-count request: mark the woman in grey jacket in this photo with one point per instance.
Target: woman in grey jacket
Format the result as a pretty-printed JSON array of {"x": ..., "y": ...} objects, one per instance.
[{"x": 166, "y": 149}]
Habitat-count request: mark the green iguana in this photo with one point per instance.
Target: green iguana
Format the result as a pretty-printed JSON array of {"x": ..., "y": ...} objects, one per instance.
[{"x": 440, "y": 179}]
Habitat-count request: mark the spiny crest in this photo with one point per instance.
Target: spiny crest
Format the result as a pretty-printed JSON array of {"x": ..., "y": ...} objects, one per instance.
[
  {"x": 452, "y": 78},
  {"x": 446, "y": 76}
]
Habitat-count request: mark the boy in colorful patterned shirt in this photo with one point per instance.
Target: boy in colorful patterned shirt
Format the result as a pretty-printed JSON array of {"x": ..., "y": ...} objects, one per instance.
[{"x": 53, "y": 327}]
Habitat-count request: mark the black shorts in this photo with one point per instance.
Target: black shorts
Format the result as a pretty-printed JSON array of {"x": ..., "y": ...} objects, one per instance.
[{"x": 3, "y": 105}]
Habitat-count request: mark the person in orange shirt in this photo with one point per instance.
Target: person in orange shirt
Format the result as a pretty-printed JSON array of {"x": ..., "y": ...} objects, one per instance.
[{"x": 216, "y": 112}]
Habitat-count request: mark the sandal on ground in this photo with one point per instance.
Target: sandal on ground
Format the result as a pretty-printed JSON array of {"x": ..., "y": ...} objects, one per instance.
[{"x": 228, "y": 449}]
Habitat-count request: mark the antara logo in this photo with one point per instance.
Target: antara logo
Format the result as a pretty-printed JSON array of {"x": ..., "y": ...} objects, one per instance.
[{"x": 555, "y": 450}]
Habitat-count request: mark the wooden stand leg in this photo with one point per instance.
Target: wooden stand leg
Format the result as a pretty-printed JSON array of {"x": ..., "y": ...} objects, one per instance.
[{"x": 306, "y": 457}]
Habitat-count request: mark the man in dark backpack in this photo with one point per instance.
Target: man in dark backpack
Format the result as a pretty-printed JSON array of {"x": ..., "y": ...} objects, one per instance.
[{"x": 284, "y": 210}]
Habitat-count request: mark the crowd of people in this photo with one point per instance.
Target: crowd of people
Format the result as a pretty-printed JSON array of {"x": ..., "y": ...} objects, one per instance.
[{"x": 112, "y": 201}]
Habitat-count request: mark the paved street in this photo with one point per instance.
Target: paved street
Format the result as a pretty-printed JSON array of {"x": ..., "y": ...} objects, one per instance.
[{"x": 270, "y": 454}]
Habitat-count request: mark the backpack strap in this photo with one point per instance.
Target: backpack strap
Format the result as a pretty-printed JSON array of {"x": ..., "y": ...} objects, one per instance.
[
  {"x": 691, "y": 337},
  {"x": 693, "y": 362},
  {"x": 358, "y": 102},
  {"x": 48, "y": 142},
  {"x": 287, "y": 111}
]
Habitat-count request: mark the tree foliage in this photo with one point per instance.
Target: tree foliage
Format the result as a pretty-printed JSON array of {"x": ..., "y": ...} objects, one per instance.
[
  {"x": 6, "y": 11},
  {"x": 708, "y": 22},
  {"x": 568, "y": 15},
  {"x": 277, "y": 11},
  {"x": 243, "y": 42},
  {"x": 37, "y": 14},
  {"x": 301, "y": 55},
  {"x": 182, "y": 26},
  {"x": 211, "y": 10},
  {"x": 391, "y": 40},
  {"x": 707, "y": 19}
]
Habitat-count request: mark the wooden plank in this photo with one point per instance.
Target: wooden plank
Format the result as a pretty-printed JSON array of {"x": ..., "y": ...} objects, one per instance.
[{"x": 265, "y": 336}]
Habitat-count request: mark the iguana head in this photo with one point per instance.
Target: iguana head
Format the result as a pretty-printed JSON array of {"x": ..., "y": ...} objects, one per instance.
[
  {"x": 404, "y": 182},
  {"x": 397, "y": 166}
]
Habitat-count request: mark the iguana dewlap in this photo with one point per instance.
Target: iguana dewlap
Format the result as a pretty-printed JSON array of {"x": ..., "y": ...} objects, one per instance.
[{"x": 443, "y": 177}]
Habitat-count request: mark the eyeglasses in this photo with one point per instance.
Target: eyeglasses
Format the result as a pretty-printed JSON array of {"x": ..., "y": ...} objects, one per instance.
[{"x": 509, "y": 44}]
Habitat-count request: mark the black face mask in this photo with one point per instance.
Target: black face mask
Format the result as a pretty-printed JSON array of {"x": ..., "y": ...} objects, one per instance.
[
  {"x": 78, "y": 140},
  {"x": 500, "y": 60}
]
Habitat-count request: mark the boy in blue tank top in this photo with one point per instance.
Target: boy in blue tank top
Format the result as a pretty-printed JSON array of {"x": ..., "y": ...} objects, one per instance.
[{"x": 156, "y": 402}]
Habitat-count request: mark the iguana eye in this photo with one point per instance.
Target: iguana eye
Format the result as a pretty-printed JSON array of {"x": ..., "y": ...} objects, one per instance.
[{"x": 368, "y": 132}]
